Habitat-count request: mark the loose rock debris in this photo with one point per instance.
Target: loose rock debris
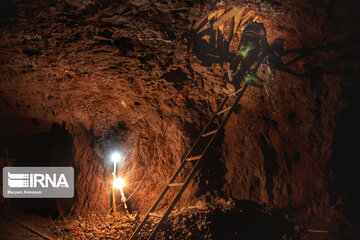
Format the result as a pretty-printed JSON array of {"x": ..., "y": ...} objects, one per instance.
[
  {"x": 220, "y": 220},
  {"x": 94, "y": 226}
]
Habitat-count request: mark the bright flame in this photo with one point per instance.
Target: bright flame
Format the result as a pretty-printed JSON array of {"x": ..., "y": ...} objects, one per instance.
[{"x": 119, "y": 183}]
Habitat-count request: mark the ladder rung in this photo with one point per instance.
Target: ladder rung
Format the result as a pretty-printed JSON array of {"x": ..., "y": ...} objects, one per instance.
[
  {"x": 176, "y": 184},
  {"x": 224, "y": 110},
  {"x": 209, "y": 133},
  {"x": 234, "y": 93},
  {"x": 193, "y": 158},
  {"x": 193, "y": 150},
  {"x": 158, "y": 215}
]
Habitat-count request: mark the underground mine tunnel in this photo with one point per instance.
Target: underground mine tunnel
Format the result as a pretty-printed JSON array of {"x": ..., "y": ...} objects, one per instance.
[{"x": 179, "y": 119}]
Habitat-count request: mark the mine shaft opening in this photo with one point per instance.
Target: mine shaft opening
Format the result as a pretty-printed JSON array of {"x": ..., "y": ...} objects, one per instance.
[
  {"x": 236, "y": 39},
  {"x": 233, "y": 37},
  {"x": 53, "y": 148}
]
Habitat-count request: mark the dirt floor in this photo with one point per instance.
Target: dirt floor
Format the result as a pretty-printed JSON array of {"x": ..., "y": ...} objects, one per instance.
[
  {"x": 221, "y": 220},
  {"x": 10, "y": 230},
  {"x": 12, "y": 227}
]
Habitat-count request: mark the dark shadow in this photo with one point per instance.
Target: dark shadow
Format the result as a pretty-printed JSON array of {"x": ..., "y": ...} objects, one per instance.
[
  {"x": 344, "y": 158},
  {"x": 344, "y": 50},
  {"x": 246, "y": 220},
  {"x": 177, "y": 77},
  {"x": 252, "y": 45},
  {"x": 271, "y": 166},
  {"x": 250, "y": 223},
  {"x": 216, "y": 50},
  {"x": 251, "y": 49},
  {"x": 6, "y": 12},
  {"x": 212, "y": 170},
  {"x": 54, "y": 148}
]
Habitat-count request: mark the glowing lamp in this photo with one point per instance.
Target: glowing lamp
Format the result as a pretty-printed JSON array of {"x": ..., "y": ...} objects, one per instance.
[
  {"x": 115, "y": 157},
  {"x": 119, "y": 183}
]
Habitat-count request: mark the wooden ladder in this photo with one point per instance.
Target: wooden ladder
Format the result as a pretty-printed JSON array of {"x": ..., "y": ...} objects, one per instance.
[{"x": 194, "y": 156}]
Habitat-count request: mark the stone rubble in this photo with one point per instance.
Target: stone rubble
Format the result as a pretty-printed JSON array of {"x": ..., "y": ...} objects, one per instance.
[{"x": 195, "y": 222}]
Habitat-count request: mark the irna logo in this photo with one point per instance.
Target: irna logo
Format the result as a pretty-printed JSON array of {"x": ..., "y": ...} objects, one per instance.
[
  {"x": 19, "y": 180},
  {"x": 38, "y": 182}
]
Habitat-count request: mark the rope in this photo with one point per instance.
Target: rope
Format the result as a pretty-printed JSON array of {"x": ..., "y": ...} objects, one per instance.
[{"x": 138, "y": 185}]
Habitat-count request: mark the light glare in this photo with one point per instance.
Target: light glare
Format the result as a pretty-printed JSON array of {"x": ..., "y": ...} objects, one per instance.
[
  {"x": 119, "y": 183},
  {"x": 115, "y": 157}
]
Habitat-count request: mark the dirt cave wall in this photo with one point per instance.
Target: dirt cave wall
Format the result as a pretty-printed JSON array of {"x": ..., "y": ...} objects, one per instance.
[{"x": 119, "y": 82}]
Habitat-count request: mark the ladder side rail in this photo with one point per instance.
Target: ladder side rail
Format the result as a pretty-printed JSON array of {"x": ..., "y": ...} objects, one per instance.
[
  {"x": 189, "y": 178},
  {"x": 206, "y": 126},
  {"x": 174, "y": 176},
  {"x": 169, "y": 209},
  {"x": 241, "y": 93},
  {"x": 175, "y": 200}
]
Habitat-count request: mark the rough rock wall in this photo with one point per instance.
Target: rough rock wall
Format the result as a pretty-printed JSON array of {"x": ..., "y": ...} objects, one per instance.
[
  {"x": 277, "y": 148},
  {"x": 120, "y": 75},
  {"x": 114, "y": 73}
]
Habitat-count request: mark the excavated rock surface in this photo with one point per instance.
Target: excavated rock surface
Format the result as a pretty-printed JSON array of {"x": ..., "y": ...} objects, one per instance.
[
  {"x": 220, "y": 220},
  {"x": 122, "y": 75}
]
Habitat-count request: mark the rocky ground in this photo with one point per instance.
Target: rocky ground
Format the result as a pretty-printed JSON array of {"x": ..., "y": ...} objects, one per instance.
[
  {"x": 221, "y": 220},
  {"x": 10, "y": 230},
  {"x": 94, "y": 226}
]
